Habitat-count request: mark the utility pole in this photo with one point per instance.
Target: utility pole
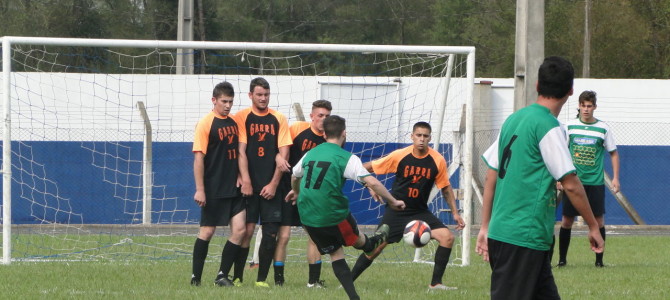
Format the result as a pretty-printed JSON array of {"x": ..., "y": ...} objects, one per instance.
[
  {"x": 586, "y": 68},
  {"x": 529, "y": 50},
  {"x": 185, "y": 33}
]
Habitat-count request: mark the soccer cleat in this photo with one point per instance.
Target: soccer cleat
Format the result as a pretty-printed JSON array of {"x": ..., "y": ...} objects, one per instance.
[
  {"x": 237, "y": 282},
  {"x": 253, "y": 265},
  {"x": 441, "y": 287},
  {"x": 319, "y": 284},
  {"x": 380, "y": 236},
  {"x": 561, "y": 264},
  {"x": 262, "y": 284},
  {"x": 599, "y": 264},
  {"x": 195, "y": 282},
  {"x": 223, "y": 281},
  {"x": 279, "y": 282}
]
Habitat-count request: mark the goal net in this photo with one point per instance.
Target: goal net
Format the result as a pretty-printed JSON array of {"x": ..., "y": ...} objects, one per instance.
[{"x": 97, "y": 161}]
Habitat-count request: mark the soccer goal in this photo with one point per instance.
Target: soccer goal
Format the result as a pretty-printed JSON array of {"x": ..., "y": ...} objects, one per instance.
[{"x": 97, "y": 135}]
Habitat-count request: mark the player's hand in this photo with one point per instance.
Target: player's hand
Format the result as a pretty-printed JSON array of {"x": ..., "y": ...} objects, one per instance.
[
  {"x": 482, "y": 247},
  {"x": 375, "y": 196},
  {"x": 397, "y": 205},
  {"x": 246, "y": 189},
  {"x": 200, "y": 198},
  {"x": 596, "y": 240},
  {"x": 291, "y": 197},
  {"x": 460, "y": 224},
  {"x": 282, "y": 164},
  {"x": 268, "y": 191},
  {"x": 615, "y": 185}
]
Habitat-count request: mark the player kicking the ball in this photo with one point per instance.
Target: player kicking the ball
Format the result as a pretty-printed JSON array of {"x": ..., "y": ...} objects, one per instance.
[
  {"x": 324, "y": 210},
  {"x": 417, "y": 168}
]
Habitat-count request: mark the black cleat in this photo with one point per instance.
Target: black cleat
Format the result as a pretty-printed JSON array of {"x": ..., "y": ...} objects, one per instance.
[
  {"x": 195, "y": 282},
  {"x": 223, "y": 281},
  {"x": 380, "y": 237},
  {"x": 561, "y": 264},
  {"x": 279, "y": 283},
  {"x": 599, "y": 264}
]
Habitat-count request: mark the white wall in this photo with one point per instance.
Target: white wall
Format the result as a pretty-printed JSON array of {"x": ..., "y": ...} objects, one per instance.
[{"x": 72, "y": 107}]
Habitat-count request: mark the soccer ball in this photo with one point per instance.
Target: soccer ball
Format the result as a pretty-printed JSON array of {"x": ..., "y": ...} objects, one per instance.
[{"x": 417, "y": 233}]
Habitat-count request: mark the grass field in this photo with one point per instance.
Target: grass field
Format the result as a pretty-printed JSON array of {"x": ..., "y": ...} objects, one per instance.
[{"x": 637, "y": 267}]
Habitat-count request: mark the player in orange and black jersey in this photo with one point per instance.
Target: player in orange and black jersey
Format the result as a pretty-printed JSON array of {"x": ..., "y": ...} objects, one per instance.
[
  {"x": 417, "y": 168},
  {"x": 215, "y": 168},
  {"x": 264, "y": 149},
  {"x": 305, "y": 135}
]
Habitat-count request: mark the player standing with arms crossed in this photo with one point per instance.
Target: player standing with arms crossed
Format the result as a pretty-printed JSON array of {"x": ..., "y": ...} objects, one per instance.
[
  {"x": 305, "y": 135},
  {"x": 317, "y": 184},
  {"x": 215, "y": 168},
  {"x": 588, "y": 137},
  {"x": 264, "y": 149},
  {"x": 519, "y": 201},
  {"x": 417, "y": 168}
]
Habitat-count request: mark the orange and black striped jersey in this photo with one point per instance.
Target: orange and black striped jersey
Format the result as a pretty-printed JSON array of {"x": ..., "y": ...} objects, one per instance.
[
  {"x": 264, "y": 135},
  {"x": 414, "y": 176},
  {"x": 304, "y": 139},
  {"x": 217, "y": 137}
]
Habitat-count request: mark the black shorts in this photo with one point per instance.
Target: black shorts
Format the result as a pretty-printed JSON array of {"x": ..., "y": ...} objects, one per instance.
[
  {"x": 329, "y": 239},
  {"x": 289, "y": 211},
  {"x": 397, "y": 220},
  {"x": 596, "y": 196},
  {"x": 520, "y": 273},
  {"x": 263, "y": 210},
  {"x": 219, "y": 211}
]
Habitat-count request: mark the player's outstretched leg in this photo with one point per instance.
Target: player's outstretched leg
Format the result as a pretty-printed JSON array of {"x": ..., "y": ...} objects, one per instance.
[
  {"x": 371, "y": 243},
  {"x": 599, "y": 256}
]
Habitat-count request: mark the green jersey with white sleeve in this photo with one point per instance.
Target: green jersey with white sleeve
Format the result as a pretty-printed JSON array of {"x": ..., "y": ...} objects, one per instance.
[
  {"x": 587, "y": 143},
  {"x": 530, "y": 155}
]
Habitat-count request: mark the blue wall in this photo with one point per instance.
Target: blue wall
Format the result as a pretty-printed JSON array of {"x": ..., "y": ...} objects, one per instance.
[{"x": 88, "y": 182}]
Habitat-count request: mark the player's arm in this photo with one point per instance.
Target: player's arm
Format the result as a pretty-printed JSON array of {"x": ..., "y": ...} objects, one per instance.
[
  {"x": 243, "y": 164},
  {"x": 281, "y": 159},
  {"x": 450, "y": 198},
  {"x": 573, "y": 187},
  {"x": 614, "y": 155},
  {"x": 269, "y": 190},
  {"x": 482, "y": 247},
  {"x": 375, "y": 196},
  {"x": 199, "y": 175},
  {"x": 376, "y": 186}
]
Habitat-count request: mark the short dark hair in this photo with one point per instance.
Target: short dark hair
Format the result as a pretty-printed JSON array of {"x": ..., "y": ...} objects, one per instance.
[
  {"x": 555, "y": 77},
  {"x": 258, "y": 81},
  {"x": 223, "y": 88},
  {"x": 322, "y": 104},
  {"x": 422, "y": 124},
  {"x": 333, "y": 126},
  {"x": 588, "y": 96}
]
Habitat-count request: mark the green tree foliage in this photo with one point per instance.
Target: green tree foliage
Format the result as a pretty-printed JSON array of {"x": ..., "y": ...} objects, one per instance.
[{"x": 629, "y": 38}]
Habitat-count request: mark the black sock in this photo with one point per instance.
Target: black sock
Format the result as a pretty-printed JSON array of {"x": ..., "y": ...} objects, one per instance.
[
  {"x": 563, "y": 243},
  {"x": 343, "y": 274},
  {"x": 279, "y": 271},
  {"x": 362, "y": 263},
  {"x": 240, "y": 263},
  {"x": 228, "y": 256},
  {"x": 441, "y": 259},
  {"x": 599, "y": 256},
  {"x": 370, "y": 243},
  {"x": 314, "y": 272},
  {"x": 266, "y": 251},
  {"x": 200, "y": 249}
]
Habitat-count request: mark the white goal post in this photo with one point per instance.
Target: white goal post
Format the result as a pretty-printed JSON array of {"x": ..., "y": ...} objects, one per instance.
[{"x": 122, "y": 95}]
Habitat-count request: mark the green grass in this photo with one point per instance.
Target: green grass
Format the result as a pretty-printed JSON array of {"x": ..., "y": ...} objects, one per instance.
[{"x": 637, "y": 267}]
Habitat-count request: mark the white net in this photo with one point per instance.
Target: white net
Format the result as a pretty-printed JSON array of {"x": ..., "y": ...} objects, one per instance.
[{"x": 79, "y": 176}]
